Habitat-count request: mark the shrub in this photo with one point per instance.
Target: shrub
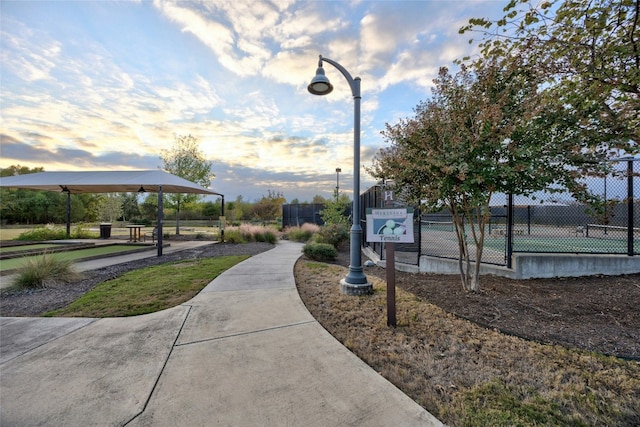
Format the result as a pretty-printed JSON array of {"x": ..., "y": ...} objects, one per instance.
[
  {"x": 233, "y": 235},
  {"x": 43, "y": 233},
  {"x": 320, "y": 251},
  {"x": 250, "y": 233},
  {"x": 83, "y": 233},
  {"x": 266, "y": 236},
  {"x": 56, "y": 233},
  {"x": 303, "y": 233},
  {"x": 334, "y": 234},
  {"x": 44, "y": 270}
]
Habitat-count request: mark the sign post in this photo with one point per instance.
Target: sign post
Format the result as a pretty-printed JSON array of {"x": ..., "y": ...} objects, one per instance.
[
  {"x": 390, "y": 252},
  {"x": 390, "y": 226}
]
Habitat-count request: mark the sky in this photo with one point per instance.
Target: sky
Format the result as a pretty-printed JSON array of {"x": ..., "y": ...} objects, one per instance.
[{"x": 106, "y": 85}]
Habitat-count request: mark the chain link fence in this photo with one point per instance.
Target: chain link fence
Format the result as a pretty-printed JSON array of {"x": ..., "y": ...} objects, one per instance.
[{"x": 545, "y": 223}]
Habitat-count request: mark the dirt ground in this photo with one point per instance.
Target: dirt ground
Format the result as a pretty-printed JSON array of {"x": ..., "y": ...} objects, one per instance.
[{"x": 594, "y": 313}]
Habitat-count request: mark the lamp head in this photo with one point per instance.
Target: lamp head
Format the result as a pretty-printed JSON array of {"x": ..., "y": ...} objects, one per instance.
[{"x": 320, "y": 84}]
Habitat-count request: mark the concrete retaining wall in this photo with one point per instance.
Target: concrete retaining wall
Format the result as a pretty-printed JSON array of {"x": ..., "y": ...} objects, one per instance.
[{"x": 529, "y": 265}]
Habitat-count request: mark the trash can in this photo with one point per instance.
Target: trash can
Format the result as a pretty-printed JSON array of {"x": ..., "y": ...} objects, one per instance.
[{"x": 105, "y": 230}]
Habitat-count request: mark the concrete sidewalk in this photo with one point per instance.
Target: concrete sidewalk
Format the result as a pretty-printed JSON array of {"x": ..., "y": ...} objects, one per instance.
[{"x": 243, "y": 352}]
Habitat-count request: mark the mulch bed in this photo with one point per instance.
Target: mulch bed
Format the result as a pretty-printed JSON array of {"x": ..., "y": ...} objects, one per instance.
[{"x": 594, "y": 313}]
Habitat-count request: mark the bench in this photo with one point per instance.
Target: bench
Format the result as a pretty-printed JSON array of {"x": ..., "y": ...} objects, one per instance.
[{"x": 153, "y": 234}]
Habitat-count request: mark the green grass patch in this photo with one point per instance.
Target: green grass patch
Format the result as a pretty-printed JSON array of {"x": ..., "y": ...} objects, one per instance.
[
  {"x": 150, "y": 289},
  {"x": 18, "y": 248},
  {"x": 74, "y": 255},
  {"x": 495, "y": 403},
  {"x": 317, "y": 265}
]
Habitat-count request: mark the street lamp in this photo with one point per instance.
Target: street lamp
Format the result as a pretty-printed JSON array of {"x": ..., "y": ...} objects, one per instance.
[
  {"x": 338, "y": 170},
  {"x": 355, "y": 283}
]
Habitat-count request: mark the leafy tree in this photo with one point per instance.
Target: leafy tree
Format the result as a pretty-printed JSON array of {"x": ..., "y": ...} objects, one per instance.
[
  {"x": 19, "y": 170},
  {"x": 318, "y": 199},
  {"x": 212, "y": 210},
  {"x": 230, "y": 210},
  {"x": 334, "y": 210},
  {"x": 15, "y": 206},
  {"x": 186, "y": 160},
  {"x": 130, "y": 208},
  {"x": 149, "y": 207},
  {"x": 268, "y": 208},
  {"x": 589, "y": 52},
  {"x": 110, "y": 207},
  {"x": 485, "y": 130}
]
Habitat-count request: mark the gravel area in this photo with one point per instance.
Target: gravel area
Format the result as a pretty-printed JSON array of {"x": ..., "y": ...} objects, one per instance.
[{"x": 35, "y": 302}]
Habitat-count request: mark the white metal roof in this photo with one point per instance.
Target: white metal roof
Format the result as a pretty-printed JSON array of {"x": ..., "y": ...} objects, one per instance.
[{"x": 105, "y": 182}]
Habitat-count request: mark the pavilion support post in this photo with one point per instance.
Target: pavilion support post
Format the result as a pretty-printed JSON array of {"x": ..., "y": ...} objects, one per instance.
[
  {"x": 222, "y": 225},
  {"x": 160, "y": 219},
  {"x": 68, "y": 214}
]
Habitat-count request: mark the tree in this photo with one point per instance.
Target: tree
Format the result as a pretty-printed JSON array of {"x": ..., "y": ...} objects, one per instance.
[
  {"x": 110, "y": 207},
  {"x": 19, "y": 170},
  {"x": 212, "y": 210},
  {"x": 130, "y": 208},
  {"x": 318, "y": 199},
  {"x": 590, "y": 54},
  {"x": 149, "y": 207},
  {"x": 268, "y": 208},
  {"x": 485, "y": 130},
  {"x": 334, "y": 210},
  {"x": 186, "y": 160}
]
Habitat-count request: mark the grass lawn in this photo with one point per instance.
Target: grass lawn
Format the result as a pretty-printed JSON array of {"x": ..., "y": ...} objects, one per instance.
[
  {"x": 150, "y": 289},
  {"x": 7, "y": 249},
  {"x": 465, "y": 374},
  {"x": 13, "y": 263}
]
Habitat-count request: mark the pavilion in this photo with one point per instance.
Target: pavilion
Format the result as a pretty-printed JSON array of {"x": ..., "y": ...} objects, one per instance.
[{"x": 152, "y": 181}]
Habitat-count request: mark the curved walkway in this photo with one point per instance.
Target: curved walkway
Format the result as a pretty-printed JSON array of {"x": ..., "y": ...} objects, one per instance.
[{"x": 245, "y": 351}]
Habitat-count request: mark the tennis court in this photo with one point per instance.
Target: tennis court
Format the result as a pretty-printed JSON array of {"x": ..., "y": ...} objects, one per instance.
[{"x": 439, "y": 239}]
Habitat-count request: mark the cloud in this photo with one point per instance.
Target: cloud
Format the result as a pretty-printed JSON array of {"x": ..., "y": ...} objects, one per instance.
[
  {"x": 37, "y": 56},
  {"x": 79, "y": 92}
]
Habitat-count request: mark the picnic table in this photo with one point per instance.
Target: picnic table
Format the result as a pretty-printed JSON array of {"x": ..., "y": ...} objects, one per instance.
[{"x": 135, "y": 232}]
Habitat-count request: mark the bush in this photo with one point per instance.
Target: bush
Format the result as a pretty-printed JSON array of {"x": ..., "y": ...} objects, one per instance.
[
  {"x": 44, "y": 270},
  {"x": 302, "y": 234},
  {"x": 250, "y": 233},
  {"x": 56, "y": 233},
  {"x": 43, "y": 233},
  {"x": 334, "y": 234},
  {"x": 266, "y": 236},
  {"x": 83, "y": 233},
  {"x": 320, "y": 252},
  {"x": 233, "y": 235}
]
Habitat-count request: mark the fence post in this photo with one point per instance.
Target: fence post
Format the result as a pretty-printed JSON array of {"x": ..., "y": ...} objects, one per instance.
[
  {"x": 630, "y": 207},
  {"x": 509, "y": 229}
]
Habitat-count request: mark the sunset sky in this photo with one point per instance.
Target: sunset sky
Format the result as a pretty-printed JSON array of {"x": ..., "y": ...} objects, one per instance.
[{"x": 97, "y": 85}]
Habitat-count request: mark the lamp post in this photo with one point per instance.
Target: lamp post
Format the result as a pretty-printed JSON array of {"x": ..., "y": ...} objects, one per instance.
[
  {"x": 338, "y": 170},
  {"x": 355, "y": 283}
]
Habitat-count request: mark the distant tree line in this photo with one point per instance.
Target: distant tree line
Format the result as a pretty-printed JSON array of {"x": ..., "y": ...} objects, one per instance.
[{"x": 21, "y": 206}]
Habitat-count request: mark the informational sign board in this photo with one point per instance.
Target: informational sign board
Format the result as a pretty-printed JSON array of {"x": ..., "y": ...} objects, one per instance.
[{"x": 390, "y": 225}]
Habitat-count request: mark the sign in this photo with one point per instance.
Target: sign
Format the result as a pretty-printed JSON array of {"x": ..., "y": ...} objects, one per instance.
[{"x": 390, "y": 225}]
